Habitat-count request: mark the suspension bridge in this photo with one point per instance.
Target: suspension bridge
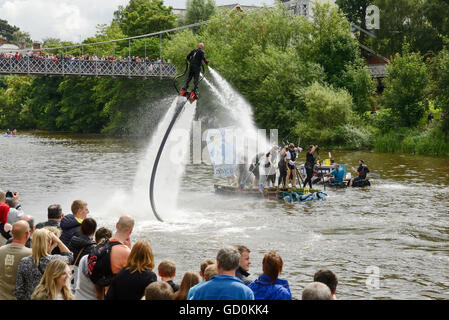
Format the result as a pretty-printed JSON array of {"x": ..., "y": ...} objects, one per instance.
[{"x": 29, "y": 64}]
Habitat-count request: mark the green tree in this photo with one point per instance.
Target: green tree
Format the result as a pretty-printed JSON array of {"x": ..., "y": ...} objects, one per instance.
[
  {"x": 439, "y": 84},
  {"x": 357, "y": 80},
  {"x": 144, "y": 16},
  {"x": 199, "y": 10},
  {"x": 7, "y": 30},
  {"x": 15, "y": 98},
  {"x": 328, "y": 41},
  {"x": 405, "y": 21},
  {"x": 405, "y": 90},
  {"x": 19, "y": 37},
  {"x": 78, "y": 111},
  {"x": 44, "y": 102},
  {"x": 125, "y": 101},
  {"x": 328, "y": 111},
  {"x": 437, "y": 13},
  {"x": 355, "y": 11}
]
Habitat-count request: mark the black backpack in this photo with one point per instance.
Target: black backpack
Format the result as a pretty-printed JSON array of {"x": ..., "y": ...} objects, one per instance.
[{"x": 99, "y": 264}]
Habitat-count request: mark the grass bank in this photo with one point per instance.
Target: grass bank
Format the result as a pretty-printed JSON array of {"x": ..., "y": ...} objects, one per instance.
[{"x": 431, "y": 141}]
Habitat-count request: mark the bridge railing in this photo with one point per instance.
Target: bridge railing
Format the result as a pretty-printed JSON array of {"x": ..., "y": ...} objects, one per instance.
[{"x": 43, "y": 66}]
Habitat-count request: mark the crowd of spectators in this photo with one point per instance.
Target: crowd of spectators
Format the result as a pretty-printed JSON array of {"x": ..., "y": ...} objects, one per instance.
[
  {"x": 86, "y": 63},
  {"x": 67, "y": 57},
  {"x": 68, "y": 258}
]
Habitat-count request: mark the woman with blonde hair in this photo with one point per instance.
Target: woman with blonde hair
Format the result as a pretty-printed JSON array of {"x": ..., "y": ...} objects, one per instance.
[
  {"x": 189, "y": 280},
  {"x": 131, "y": 281},
  {"x": 54, "y": 282},
  {"x": 31, "y": 269}
]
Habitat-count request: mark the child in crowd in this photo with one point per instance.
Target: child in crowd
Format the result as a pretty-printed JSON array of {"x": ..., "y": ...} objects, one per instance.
[
  {"x": 167, "y": 272},
  {"x": 189, "y": 280},
  {"x": 159, "y": 290}
]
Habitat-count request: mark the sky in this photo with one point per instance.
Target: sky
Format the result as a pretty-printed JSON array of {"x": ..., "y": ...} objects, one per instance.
[{"x": 74, "y": 20}]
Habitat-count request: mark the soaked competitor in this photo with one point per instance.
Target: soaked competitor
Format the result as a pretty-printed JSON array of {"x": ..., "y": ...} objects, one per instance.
[
  {"x": 309, "y": 165},
  {"x": 362, "y": 170},
  {"x": 196, "y": 58}
]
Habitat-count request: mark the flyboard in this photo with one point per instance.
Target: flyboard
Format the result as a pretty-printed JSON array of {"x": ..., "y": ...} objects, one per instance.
[{"x": 190, "y": 98}]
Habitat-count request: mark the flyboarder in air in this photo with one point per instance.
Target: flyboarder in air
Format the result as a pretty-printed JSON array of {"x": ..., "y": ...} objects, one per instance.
[{"x": 196, "y": 58}]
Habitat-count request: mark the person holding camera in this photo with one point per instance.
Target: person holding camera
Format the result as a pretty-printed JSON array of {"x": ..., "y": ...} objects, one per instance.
[
  {"x": 15, "y": 209},
  {"x": 310, "y": 163}
]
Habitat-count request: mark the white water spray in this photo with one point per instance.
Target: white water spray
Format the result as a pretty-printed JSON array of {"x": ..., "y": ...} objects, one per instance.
[
  {"x": 174, "y": 157},
  {"x": 170, "y": 169},
  {"x": 240, "y": 110}
]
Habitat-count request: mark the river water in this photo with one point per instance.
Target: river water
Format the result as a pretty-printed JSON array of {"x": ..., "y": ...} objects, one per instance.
[{"x": 389, "y": 241}]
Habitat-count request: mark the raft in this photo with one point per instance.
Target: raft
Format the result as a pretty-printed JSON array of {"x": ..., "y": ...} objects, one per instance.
[
  {"x": 361, "y": 183},
  {"x": 269, "y": 192},
  {"x": 345, "y": 184},
  {"x": 9, "y": 135}
]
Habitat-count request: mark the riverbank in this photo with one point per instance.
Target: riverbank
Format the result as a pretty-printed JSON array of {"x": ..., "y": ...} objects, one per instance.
[{"x": 431, "y": 141}]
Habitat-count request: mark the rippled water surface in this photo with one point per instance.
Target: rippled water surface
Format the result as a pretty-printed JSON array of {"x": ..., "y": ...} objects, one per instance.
[{"x": 399, "y": 226}]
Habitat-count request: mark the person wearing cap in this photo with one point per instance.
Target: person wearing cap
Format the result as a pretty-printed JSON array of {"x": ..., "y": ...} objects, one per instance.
[{"x": 196, "y": 58}]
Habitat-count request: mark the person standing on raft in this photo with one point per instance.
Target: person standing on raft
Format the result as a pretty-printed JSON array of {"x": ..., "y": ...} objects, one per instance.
[
  {"x": 196, "y": 58},
  {"x": 310, "y": 164}
]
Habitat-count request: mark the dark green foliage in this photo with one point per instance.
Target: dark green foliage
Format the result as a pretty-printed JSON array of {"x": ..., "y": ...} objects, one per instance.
[
  {"x": 431, "y": 141},
  {"x": 198, "y": 11},
  {"x": 144, "y": 16},
  {"x": 44, "y": 102},
  {"x": 405, "y": 90},
  {"x": 439, "y": 85},
  {"x": 414, "y": 21},
  {"x": 7, "y": 30}
]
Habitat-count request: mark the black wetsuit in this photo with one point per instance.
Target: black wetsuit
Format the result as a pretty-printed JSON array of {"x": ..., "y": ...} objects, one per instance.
[
  {"x": 255, "y": 169},
  {"x": 196, "y": 58},
  {"x": 282, "y": 171},
  {"x": 362, "y": 170},
  {"x": 310, "y": 163}
]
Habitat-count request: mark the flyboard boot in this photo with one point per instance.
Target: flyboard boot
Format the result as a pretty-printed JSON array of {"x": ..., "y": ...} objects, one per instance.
[
  {"x": 193, "y": 95},
  {"x": 184, "y": 93}
]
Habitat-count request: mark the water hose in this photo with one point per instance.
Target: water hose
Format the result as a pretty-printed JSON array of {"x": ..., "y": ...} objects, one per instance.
[
  {"x": 158, "y": 156},
  {"x": 178, "y": 110}
]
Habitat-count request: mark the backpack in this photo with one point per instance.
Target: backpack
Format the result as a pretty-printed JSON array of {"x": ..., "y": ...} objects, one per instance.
[{"x": 99, "y": 264}]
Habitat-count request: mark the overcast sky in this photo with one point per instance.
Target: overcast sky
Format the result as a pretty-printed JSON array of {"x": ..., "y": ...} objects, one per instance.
[{"x": 74, "y": 20}]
